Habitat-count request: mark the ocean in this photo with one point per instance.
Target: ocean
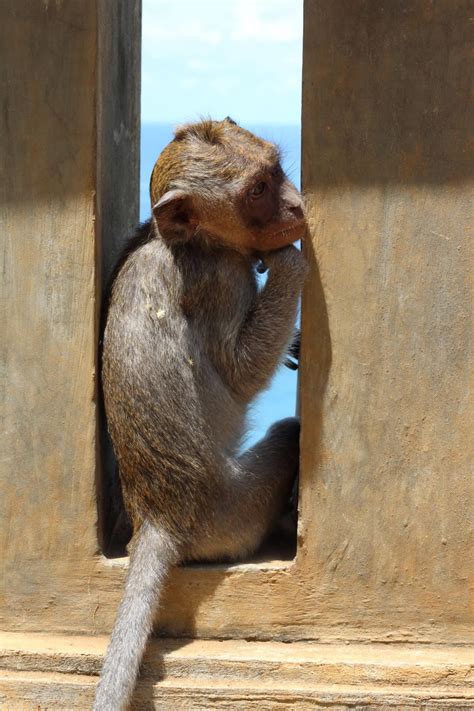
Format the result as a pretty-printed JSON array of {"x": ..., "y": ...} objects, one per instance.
[{"x": 279, "y": 399}]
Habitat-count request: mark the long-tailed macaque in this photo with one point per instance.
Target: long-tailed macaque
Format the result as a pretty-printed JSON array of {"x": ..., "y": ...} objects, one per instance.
[{"x": 190, "y": 339}]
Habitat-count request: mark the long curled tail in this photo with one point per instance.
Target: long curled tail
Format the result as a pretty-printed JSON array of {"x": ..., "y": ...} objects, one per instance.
[{"x": 151, "y": 557}]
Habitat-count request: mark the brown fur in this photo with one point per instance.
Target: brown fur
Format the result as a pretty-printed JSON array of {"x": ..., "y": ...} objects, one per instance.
[{"x": 190, "y": 340}]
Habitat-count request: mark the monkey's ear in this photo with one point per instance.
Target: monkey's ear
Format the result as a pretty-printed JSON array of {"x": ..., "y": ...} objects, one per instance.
[{"x": 174, "y": 216}]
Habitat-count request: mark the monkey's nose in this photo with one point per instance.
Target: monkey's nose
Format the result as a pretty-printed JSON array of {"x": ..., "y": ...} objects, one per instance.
[{"x": 297, "y": 211}]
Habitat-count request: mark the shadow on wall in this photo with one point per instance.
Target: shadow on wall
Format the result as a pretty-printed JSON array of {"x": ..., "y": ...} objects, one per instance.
[{"x": 383, "y": 113}]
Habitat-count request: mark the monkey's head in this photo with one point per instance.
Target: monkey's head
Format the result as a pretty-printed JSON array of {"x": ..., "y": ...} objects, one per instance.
[{"x": 219, "y": 180}]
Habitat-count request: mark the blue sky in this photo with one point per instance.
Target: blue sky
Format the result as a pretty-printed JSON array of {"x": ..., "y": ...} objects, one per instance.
[{"x": 215, "y": 57}]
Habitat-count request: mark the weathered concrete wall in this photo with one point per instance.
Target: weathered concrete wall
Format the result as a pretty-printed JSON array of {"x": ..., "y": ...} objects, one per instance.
[
  {"x": 384, "y": 541},
  {"x": 383, "y": 547},
  {"x": 388, "y": 169},
  {"x": 68, "y": 193}
]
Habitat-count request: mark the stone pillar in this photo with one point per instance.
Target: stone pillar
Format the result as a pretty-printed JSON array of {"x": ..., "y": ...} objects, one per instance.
[
  {"x": 68, "y": 194},
  {"x": 387, "y": 375}
]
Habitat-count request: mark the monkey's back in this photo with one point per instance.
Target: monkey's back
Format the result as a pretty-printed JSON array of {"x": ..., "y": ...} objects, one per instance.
[{"x": 163, "y": 392}]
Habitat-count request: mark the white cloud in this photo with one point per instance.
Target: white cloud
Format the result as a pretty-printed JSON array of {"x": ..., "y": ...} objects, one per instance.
[
  {"x": 219, "y": 57},
  {"x": 160, "y": 30},
  {"x": 199, "y": 65},
  {"x": 267, "y": 20},
  {"x": 171, "y": 22}
]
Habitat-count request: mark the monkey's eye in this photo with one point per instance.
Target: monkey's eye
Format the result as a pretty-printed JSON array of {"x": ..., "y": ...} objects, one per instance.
[{"x": 258, "y": 189}]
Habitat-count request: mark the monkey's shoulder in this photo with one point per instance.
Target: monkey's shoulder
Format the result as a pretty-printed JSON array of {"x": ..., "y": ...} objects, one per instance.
[{"x": 148, "y": 267}]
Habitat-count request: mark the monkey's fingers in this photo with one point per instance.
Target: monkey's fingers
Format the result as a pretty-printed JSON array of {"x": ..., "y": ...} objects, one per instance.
[
  {"x": 291, "y": 364},
  {"x": 295, "y": 345}
]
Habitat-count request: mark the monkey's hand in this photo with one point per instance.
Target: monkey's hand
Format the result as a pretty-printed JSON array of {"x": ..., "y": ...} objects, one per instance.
[{"x": 288, "y": 260}]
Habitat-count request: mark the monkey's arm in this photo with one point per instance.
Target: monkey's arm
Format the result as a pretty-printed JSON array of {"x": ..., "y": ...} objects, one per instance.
[{"x": 268, "y": 328}]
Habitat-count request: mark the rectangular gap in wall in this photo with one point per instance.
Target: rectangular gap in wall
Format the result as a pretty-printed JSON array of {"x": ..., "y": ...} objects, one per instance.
[{"x": 201, "y": 79}]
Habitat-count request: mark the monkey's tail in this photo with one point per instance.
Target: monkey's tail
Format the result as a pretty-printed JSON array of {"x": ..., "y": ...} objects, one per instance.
[{"x": 151, "y": 557}]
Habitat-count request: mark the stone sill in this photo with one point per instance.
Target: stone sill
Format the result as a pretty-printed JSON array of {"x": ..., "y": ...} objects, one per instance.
[{"x": 57, "y": 671}]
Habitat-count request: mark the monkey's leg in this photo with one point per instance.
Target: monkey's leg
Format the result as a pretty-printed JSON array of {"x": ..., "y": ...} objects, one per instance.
[
  {"x": 257, "y": 487},
  {"x": 269, "y": 470}
]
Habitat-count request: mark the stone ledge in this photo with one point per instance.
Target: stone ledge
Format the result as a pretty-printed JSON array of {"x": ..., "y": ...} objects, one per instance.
[{"x": 53, "y": 671}]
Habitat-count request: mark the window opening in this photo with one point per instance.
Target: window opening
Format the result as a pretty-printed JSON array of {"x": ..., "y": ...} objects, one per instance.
[{"x": 232, "y": 59}]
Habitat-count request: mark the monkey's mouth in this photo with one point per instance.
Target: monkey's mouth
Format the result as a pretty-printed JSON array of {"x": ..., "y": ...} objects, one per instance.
[
  {"x": 295, "y": 229},
  {"x": 286, "y": 234}
]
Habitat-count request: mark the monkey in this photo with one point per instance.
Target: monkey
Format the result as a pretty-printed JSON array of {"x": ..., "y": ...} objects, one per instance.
[{"x": 190, "y": 340}]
